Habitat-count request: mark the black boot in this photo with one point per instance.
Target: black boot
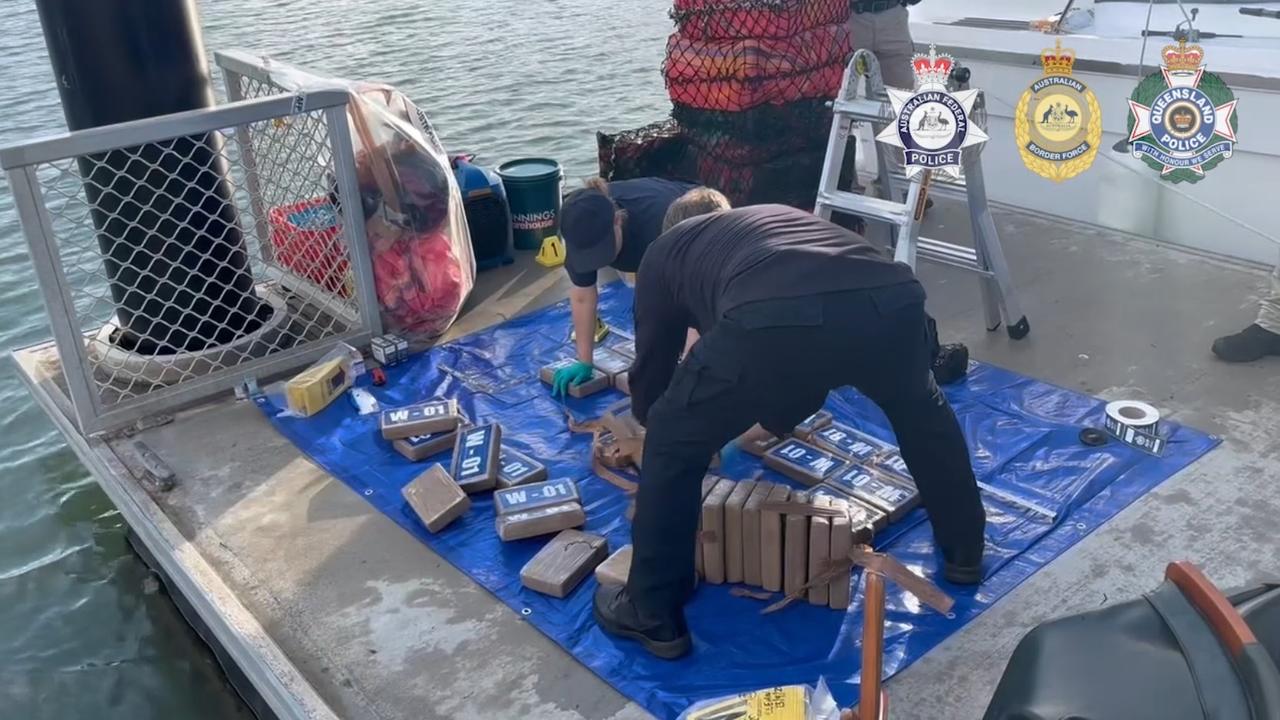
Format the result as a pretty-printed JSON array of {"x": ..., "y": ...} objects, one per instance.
[
  {"x": 617, "y": 615},
  {"x": 963, "y": 571},
  {"x": 1252, "y": 343},
  {"x": 951, "y": 363}
]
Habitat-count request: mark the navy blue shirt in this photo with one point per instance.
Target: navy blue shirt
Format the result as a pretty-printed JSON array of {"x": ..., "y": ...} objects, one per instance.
[{"x": 646, "y": 201}]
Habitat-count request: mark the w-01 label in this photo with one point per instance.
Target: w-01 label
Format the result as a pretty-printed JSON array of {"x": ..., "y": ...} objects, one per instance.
[
  {"x": 886, "y": 495},
  {"x": 893, "y": 464},
  {"x": 442, "y": 411},
  {"x": 849, "y": 442},
  {"x": 802, "y": 461},
  {"x": 476, "y": 455},
  {"x": 517, "y": 469},
  {"x": 530, "y": 497}
]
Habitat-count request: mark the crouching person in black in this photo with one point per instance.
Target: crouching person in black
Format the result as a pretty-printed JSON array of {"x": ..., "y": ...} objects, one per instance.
[{"x": 789, "y": 307}]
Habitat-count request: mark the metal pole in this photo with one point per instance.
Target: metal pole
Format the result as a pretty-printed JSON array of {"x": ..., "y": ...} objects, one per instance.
[{"x": 168, "y": 229}]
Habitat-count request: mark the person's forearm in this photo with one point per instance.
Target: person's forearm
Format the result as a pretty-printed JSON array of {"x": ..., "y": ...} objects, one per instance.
[{"x": 582, "y": 304}]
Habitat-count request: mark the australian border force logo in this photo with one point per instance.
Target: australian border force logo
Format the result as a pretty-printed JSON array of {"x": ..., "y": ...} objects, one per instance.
[
  {"x": 1182, "y": 120},
  {"x": 1058, "y": 122},
  {"x": 933, "y": 125}
]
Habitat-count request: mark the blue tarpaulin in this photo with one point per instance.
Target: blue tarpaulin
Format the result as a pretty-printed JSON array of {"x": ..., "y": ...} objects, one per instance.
[{"x": 1048, "y": 492}]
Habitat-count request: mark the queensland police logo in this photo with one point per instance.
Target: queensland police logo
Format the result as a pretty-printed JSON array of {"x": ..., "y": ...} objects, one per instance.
[
  {"x": 933, "y": 126},
  {"x": 1182, "y": 120},
  {"x": 1058, "y": 122}
]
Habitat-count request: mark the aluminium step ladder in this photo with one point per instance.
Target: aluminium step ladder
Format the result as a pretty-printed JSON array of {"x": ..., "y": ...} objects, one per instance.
[{"x": 985, "y": 258}]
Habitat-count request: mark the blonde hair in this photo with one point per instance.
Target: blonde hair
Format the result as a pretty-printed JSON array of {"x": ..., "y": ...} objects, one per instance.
[
  {"x": 698, "y": 201},
  {"x": 601, "y": 185}
]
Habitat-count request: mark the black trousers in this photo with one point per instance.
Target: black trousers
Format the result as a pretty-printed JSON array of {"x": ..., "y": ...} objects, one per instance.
[{"x": 774, "y": 362}]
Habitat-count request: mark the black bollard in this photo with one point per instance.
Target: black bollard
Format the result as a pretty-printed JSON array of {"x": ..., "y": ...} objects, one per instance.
[{"x": 168, "y": 230}]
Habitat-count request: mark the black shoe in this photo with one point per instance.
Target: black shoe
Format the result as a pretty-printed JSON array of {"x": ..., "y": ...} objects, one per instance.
[
  {"x": 962, "y": 574},
  {"x": 1252, "y": 343},
  {"x": 951, "y": 364},
  {"x": 618, "y": 615}
]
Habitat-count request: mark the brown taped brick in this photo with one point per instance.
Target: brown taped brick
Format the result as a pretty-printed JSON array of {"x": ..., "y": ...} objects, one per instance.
[
  {"x": 751, "y": 532},
  {"x": 708, "y": 483},
  {"x": 819, "y": 552},
  {"x": 771, "y": 541},
  {"x": 733, "y": 546},
  {"x": 757, "y": 441},
  {"x": 713, "y": 540},
  {"x": 563, "y": 563},
  {"x": 475, "y": 457},
  {"x": 609, "y": 362},
  {"x": 795, "y": 548},
  {"x": 439, "y": 415},
  {"x": 436, "y": 499},
  {"x": 812, "y": 424},
  {"x": 541, "y": 521},
  {"x": 599, "y": 381},
  {"x": 616, "y": 569},
  {"x": 865, "y": 519},
  {"x": 622, "y": 382},
  {"x": 421, "y": 447},
  {"x": 839, "y": 592}
]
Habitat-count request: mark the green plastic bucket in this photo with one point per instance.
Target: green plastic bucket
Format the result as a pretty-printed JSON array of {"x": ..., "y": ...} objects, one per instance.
[{"x": 533, "y": 192}]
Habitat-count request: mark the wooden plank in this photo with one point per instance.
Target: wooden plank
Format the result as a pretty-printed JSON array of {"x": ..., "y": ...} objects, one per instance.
[
  {"x": 839, "y": 593},
  {"x": 523, "y": 498},
  {"x": 819, "y": 553},
  {"x": 439, "y": 415},
  {"x": 713, "y": 540},
  {"x": 733, "y": 535},
  {"x": 475, "y": 457},
  {"x": 616, "y": 569},
  {"x": 811, "y": 424},
  {"x": 516, "y": 468},
  {"x": 803, "y": 462},
  {"x": 771, "y": 542},
  {"x": 795, "y": 571},
  {"x": 541, "y": 521},
  {"x": 751, "y": 533},
  {"x": 563, "y": 563},
  {"x": 436, "y": 499}
]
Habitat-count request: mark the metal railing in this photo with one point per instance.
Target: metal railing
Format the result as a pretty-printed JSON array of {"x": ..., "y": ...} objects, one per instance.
[{"x": 279, "y": 162}]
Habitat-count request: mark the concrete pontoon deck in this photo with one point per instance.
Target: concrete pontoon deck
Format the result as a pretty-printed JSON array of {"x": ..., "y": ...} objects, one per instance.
[{"x": 331, "y": 610}]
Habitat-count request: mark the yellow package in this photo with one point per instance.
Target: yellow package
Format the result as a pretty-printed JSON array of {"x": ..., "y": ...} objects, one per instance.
[
  {"x": 781, "y": 703},
  {"x": 313, "y": 389}
]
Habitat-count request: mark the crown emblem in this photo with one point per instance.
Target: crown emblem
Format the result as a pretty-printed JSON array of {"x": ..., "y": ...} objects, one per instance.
[
  {"x": 1058, "y": 60},
  {"x": 1183, "y": 57},
  {"x": 932, "y": 69}
]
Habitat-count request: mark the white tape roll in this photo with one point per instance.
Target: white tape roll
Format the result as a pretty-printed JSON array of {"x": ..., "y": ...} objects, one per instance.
[{"x": 1135, "y": 423}]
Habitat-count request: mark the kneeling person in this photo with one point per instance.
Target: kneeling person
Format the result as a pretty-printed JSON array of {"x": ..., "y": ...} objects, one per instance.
[{"x": 789, "y": 307}]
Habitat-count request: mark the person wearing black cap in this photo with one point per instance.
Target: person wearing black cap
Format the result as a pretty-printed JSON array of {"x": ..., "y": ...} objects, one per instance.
[
  {"x": 789, "y": 307},
  {"x": 606, "y": 224}
]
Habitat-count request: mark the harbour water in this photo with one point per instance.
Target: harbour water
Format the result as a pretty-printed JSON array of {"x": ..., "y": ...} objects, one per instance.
[{"x": 83, "y": 630}]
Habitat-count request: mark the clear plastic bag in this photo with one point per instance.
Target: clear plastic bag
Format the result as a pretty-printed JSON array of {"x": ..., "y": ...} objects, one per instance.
[
  {"x": 792, "y": 702},
  {"x": 423, "y": 264}
]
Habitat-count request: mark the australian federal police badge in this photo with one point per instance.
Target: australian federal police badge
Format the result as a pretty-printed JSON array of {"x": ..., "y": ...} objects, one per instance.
[
  {"x": 933, "y": 125},
  {"x": 1182, "y": 120},
  {"x": 1058, "y": 122}
]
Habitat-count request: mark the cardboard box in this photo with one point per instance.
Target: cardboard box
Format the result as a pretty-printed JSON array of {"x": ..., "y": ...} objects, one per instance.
[
  {"x": 433, "y": 416},
  {"x": 751, "y": 532},
  {"x": 734, "y": 509},
  {"x": 616, "y": 569},
  {"x": 803, "y": 462},
  {"x": 819, "y": 552},
  {"x": 563, "y": 563},
  {"x": 523, "y": 498},
  {"x": 389, "y": 349},
  {"x": 436, "y": 499},
  {"x": 599, "y": 381},
  {"x": 609, "y": 362},
  {"x": 708, "y": 484},
  {"x": 796, "y": 548},
  {"x": 849, "y": 442},
  {"x": 713, "y": 537},
  {"x": 811, "y": 424},
  {"x": 876, "y": 490},
  {"x": 475, "y": 457},
  {"x": 771, "y": 541},
  {"x": 516, "y": 468},
  {"x": 542, "y": 521},
  {"x": 839, "y": 592}
]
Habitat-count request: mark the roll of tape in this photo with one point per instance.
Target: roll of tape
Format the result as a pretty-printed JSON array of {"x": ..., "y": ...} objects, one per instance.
[{"x": 1135, "y": 423}]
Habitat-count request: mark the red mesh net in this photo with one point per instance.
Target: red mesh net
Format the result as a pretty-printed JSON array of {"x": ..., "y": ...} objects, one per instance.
[
  {"x": 721, "y": 19},
  {"x": 790, "y": 180},
  {"x": 736, "y": 75},
  {"x": 656, "y": 150}
]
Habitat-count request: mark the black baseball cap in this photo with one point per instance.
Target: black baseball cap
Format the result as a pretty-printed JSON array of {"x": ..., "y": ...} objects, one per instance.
[{"x": 586, "y": 226}]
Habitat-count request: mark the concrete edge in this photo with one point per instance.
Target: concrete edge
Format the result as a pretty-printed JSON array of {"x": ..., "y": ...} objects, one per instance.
[{"x": 271, "y": 672}]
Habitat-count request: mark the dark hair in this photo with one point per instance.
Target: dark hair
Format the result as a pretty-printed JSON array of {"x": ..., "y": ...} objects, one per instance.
[{"x": 698, "y": 201}]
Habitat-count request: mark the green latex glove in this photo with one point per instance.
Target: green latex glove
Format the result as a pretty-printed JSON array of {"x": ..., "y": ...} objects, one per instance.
[{"x": 575, "y": 374}]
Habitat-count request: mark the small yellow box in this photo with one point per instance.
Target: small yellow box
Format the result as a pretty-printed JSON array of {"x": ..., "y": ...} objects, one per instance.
[
  {"x": 780, "y": 703},
  {"x": 312, "y": 390}
]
